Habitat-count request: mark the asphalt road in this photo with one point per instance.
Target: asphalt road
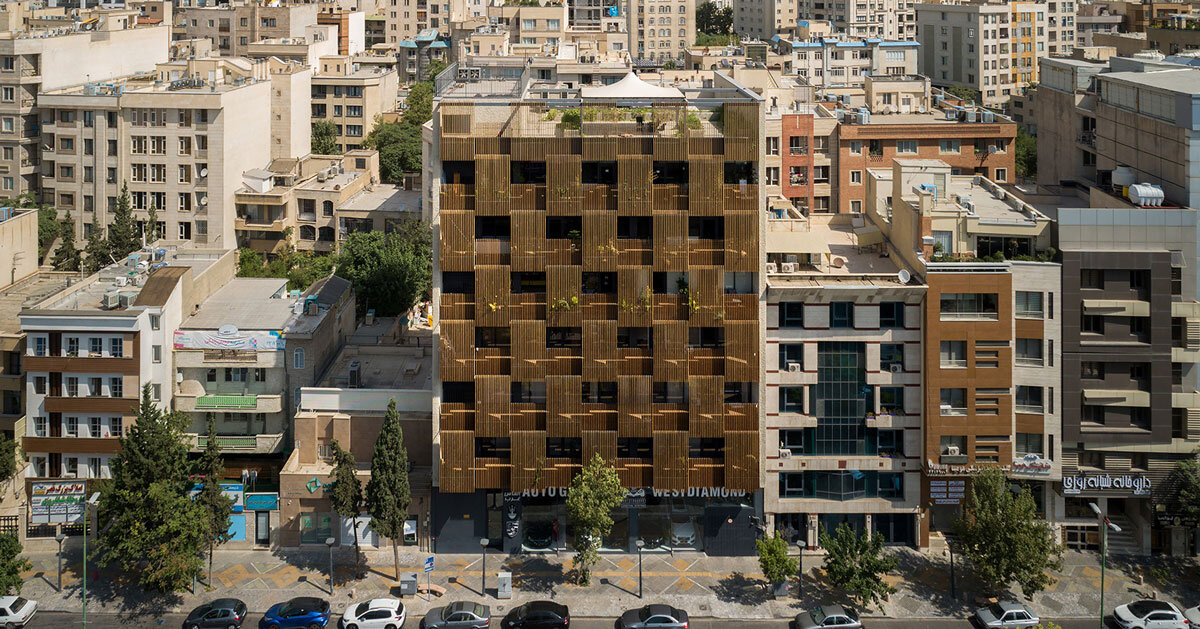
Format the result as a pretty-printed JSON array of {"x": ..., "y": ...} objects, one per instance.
[{"x": 175, "y": 621}]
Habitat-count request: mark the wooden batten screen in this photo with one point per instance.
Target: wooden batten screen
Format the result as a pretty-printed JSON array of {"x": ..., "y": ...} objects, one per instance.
[
  {"x": 599, "y": 149},
  {"x": 600, "y": 357},
  {"x": 741, "y": 241},
  {"x": 741, "y": 460},
  {"x": 635, "y": 299},
  {"x": 457, "y": 231},
  {"x": 456, "y": 360},
  {"x": 599, "y": 241},
  {"x": 741, "y": 131},
  {"x": 706, "y": 406},
  {"x": 563, "y": 283},
  {"x": 671, "y": 460},
  {"x": 670, "y": 351},
  {"x": 564, "y": 405},
  {"x": 528, "y": 240},
  {"x": 457, "y": 461},
  {"x": 493, "y": 287},
  {"x": 528, "y": 459},
  {"x": 741, "y": 351},
  {"x": 635, "y": 412},
  {"x": 492, "y": 473},
  {"x": 599, "y": 442},
  {"x": 564, "y": 192},
  {"x": 671, "y": 149},
  {"x": 670, "y": 241},
  {"x": 493, "y": 185},
  {"x": 706, "y": 295},
  {"x": 635, "y": 185},
  {"x": 528, "y": 349},
  {"x": 493, "y": 406},
  {"x": 706, "y": 177}
]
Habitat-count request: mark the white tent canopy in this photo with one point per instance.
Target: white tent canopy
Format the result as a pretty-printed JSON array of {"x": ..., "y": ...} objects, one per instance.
[{"x": 629, "y": 88}]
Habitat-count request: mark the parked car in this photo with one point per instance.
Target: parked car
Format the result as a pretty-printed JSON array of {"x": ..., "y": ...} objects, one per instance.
[
  {"x": 16, "y": 611},
  {"x": 1005, "y": 614},
  {"x": 377, "y": 613},
  {"x": 307, "y": 612},
  {"x": 653, "y": 617},
  {"x": 223, "y": 613},
  {"x": 827, "y": 616},
  {"x": 1193, "y": 615},
  {"x": 460, "y": 615},
  {"x": 683, "y": 532},
  {"x": 538, "y": 615},
  {"x": 1147, "y": 614},
  {"x": 539, "y": 535}
]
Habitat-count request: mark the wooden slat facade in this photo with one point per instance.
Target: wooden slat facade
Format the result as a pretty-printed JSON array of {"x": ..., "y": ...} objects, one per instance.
[{"x": 631, "y": 308}]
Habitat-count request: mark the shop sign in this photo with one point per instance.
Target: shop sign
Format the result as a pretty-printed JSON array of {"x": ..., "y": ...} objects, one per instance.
[
  {"x": 549, "y": 492},
  {"x": 233, "y": 491},
  {"x": 229, "y": 337},
  {"x": 947, "y": 492},
  {"x": 57, "y": 502},
  {"x": 1031, "y": 464},
  {"x": 1138, "y": 485},
  {"x": 315, "y": 485},
  {"x": 634, "y": 499},
  {"x": 938, "y": 469},
  {"x": 262, "y": 502},
  {"x": 700, "y": 492}
]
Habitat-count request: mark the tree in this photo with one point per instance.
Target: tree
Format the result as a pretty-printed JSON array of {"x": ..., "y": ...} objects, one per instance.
[
  {"x": 418, "y": 107},
  {"x": 149, "y": 525},
  {"x": 216, "y": 506},
  {"x": 12, "y": 564},
  {"x": 594, "y": 493},
  {"x": 773, "y": 558},
  {"x": 1003, "y": 537},
  {"x": 48, "y": 230},
  {"x": 964, "y": 93},
  {"x": 856, "y": 564},
  {"x": 66, "y": 256},
  {"x": 399, "y": 146},
  {"x": 346, "y": 494},
  {"x": 714, "y": 20},
  {"x": 122, "y": 237},
  {"x": 1186, "y": 480},
  {"x": 151, "y": 230},
  {"x": 98, "y": 248},
  {"x": 389, "y": 271},
  {"x": 324, "y": 138},
  {"x": 388, "y": 491},
  {"x": 8, "y": 458},
  {"x": 1026, "y": 154}
]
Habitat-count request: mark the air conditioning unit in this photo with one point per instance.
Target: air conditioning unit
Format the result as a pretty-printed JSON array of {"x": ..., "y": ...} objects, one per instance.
[
  {"x": 771, "y": 268},
  {"x": 120, "y": 280},
  {"x": 355, "y": 375},
  {"x": 785, "y": 453},
  {"x": 111, "y": 300},
  {"x": 794, "y": 367},
  {"x": 952, "y": 450},
  {"x": 789, "y": 267},
  {"x": 896, "y": 368}
]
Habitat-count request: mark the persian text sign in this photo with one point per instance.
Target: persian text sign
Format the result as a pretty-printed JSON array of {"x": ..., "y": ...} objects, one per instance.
[
  {"x": 1137, "y": 485},
  {"x": 228, "y": 337},
  {"x": 57, "y": 502}
]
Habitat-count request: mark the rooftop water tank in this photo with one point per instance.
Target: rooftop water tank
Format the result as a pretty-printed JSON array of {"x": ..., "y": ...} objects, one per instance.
[
  {"x": 1146, "y": 194},
  {"x": 1123, "y": 176}
]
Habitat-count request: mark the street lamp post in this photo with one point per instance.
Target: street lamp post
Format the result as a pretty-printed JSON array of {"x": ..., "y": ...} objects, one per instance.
[
  {"x": 1104, "y": 526},
  {"x": 329, "y": 541},
  {"x": 800, "y": 571},
  {"x": 640, "y": 544},
  {"x": 87, "y": 512},
  {"x": 483, "y": 544},
  {"x": 953, "y": 587},
  {"x": 60, "y": 538}
]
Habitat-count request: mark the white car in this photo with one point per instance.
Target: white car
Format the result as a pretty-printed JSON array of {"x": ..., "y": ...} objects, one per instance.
[
  {"x": 16, "y": 611},
  {"x": 683, "y": 532},
  {"x": 377, "y": 613},
  {"x": 1193, "y": 615},
  {"x": 1146, "y": 614}
]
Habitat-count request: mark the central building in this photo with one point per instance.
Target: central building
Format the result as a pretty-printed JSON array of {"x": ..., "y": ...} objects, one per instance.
[{"x": 596, "y": 291}]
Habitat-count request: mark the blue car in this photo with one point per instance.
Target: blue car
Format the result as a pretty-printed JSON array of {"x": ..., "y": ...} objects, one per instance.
[{"x": 304, "y": 612}]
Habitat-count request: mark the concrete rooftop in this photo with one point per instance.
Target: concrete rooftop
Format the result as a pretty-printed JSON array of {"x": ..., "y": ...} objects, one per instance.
[
  {"x": 250, "y": 303},
  {"x": 89, "y": 293},
  {"x": 384, "y": 198}
]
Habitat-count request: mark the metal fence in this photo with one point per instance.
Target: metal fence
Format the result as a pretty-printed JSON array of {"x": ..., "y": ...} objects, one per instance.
[
  {"x": 41, "y": 530},
  {"x": 8, "y": 525}
]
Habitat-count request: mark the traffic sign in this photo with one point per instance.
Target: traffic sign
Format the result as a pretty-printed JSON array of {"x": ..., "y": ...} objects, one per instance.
[{"x": 428, "y": 565}]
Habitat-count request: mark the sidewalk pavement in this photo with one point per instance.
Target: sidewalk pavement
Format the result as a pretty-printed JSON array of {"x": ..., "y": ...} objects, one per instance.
[{"x": 721, "y": 587}]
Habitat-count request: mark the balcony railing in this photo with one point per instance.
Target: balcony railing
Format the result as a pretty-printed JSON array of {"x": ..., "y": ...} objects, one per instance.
[{"x": 227, "y": 401}]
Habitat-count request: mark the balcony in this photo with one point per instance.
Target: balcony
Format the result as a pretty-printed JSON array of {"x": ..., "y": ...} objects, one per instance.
[
  {"x": 257, "y": 444},
  {"x": 264, "y": 223},
  {"x": 81, "y": 364},
  {"x": 1116, "y": 397},
  {"x": 215, "y": 358},
  {"x": 246, "y": 402},
  {"x": 83, "y": 404}
]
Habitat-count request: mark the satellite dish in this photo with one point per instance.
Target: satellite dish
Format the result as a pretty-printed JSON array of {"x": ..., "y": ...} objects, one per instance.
[
  {"x": 227, "y": 330},
  {"x": 903, "y": 276},
  {"x": 204, "y": 200},
  {"x": 203, "y": 172}
]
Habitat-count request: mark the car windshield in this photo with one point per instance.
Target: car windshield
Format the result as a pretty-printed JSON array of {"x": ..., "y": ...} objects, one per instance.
[
  {"x": 996, "y": 610},
  {"x": 852, "y": 614},
  {"x": 19, "y": 604},
  {"x": 1142, "y": 608},
  {"x": 477, "y": 609},
  {"x": 361, "y": 609},
  {"x": 817, "y": 614},
  {"x": 199, "y": 611}
]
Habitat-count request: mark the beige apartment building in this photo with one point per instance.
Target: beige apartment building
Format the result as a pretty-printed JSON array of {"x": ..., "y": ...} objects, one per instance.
[
  {"x": 990, "y": 48},
  {"x": 886, "y": 19},
  {"x": 32, "y": 63},
  {"x": 232, "y": 28},
  {"x": 661, "y": 29},
  {"x": 351, "y": 95},
  {"x": 406, "y": 18},
  {"x": 180, "y": 140},
  {"x": 318, "y": 41}
]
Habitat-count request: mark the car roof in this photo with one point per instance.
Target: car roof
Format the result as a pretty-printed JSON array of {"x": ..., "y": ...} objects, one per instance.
[
  {"x": 225, "y": 603},
  {"x": 1009, "y": 606},
  {"x": 307, "y": 602},
  {"x": 383, "y": 603},
  {"x": 1153, "y": 606},
  {"x": 834, "y": 610},
  {"x": 546, "y": 606},
  {"x": 7, "y": 600},
  {"x": 660, "y": 609}
]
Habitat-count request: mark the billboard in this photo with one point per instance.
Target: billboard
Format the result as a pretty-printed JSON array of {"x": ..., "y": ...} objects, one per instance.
[{"x": 57, "y": 501}]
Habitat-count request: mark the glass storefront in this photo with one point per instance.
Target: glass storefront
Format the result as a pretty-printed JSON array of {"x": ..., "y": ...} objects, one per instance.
[
  {"x": 315, "y": 528},
  {"x": 672, "y": 523}
]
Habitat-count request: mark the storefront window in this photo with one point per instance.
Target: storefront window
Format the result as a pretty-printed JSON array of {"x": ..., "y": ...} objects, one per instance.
[{"x": 315, "y": 528}]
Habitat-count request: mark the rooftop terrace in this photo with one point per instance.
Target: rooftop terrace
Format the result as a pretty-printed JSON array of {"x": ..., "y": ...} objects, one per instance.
[{"x": 125, "y": 279}]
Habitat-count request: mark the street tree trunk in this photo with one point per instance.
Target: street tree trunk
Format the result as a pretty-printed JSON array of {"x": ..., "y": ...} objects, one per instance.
[{"x": 396, "y": 557}]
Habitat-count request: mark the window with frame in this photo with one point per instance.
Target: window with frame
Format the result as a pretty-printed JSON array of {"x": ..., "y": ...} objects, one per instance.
[
  {"x": 841, "y": 314},
  {"x": 953, "y": 355},
  {"x": 116, "y": 386},
  {"x": 969, "y": 306},
  {"x": 891, "y": 315},
  {"x": 891, "y": 400},
  {"x": 1029, "y": 399},
  {"x": 791, "y": 314},
  {"x": 791, "y": 354},
  {"x": 906, "y": 146},
  {"x": 1028, "y": 443},
  {"x": 791, "y": 399},
  {"x": 891, "y": 354},
  {"x": 1029, "y": 304},
  {"x": 1091, "y": 324},
  {"x": 953, "y": 401},
  {"x": 72, "y": 386},
  {"x": 72, "y": 427},
  {"x": 1092, "y": 278},
  {"x": 791, "y": 485},
  {"x": 1029, "y": 352}
]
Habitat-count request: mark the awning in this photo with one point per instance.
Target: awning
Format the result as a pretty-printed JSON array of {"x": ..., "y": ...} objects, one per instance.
[{"x": 796, "y": 242}]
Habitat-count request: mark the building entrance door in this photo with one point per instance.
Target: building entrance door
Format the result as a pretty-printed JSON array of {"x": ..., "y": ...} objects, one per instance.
[{"x": 262, "y": 528}]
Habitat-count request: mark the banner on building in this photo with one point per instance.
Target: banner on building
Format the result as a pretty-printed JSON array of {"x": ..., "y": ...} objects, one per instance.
[{"x": 229, "y": 337}]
